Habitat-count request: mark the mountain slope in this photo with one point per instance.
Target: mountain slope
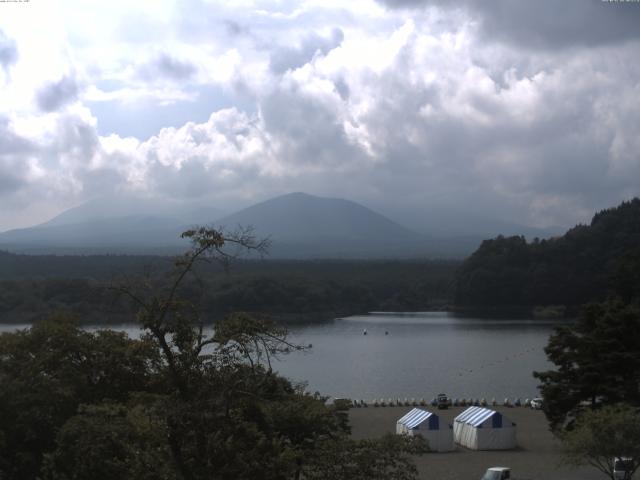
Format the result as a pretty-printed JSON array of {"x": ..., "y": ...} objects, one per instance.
[
  {"x": 128, "y": 206},
  {"x": 131, "y": 234},
  {"x": 123, "y": 224},
  {"x": 302, "y": 225},
  {"x": 299, "y": 215},
  {"x": 299, "y": 226}
]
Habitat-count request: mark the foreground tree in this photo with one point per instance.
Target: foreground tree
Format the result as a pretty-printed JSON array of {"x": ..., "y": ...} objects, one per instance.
[
  {"x": 179, "y": 403},
  {"x": 48, "y": 371},
  {"x": 605, "y": 436},
  {"x": 110, "y": 440},
  {"x": 597, "y": 360}
]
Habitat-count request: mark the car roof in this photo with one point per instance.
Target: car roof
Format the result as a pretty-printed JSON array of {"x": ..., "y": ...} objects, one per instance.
[{"x": 499, "y": 469}]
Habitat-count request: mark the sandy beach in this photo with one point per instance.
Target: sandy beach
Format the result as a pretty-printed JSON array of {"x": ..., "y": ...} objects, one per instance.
[{"x": 538, "y": 455}]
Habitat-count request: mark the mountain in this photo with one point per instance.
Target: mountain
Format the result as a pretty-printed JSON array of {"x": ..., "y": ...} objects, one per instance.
[
  {"x": 124, "y": 206},
  {"x": 130, "y": 234},
  {"x": 123, "y": 224},
  {"x": 305, "y": 226},
  {"x": 299, "y": 225}
]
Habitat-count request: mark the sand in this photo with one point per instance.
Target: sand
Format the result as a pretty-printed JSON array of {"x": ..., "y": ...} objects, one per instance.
[{"x": 538, "y": 455}]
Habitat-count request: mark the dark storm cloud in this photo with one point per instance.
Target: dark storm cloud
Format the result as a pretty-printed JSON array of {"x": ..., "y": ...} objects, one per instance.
[
  {"x": 168, "y": 67},
  {"x": 547, "y": 24},
  {"x": 55, "y": 95},
  {"x": 291, "y": 58},
  {"x": 8, "y": 51}
]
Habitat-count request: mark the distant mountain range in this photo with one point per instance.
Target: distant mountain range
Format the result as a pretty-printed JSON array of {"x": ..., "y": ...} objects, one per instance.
[{"x": 299, "y": 226}]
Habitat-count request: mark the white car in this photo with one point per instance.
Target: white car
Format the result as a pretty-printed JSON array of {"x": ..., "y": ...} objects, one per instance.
[
  {"x": 536, "y": 403},
  {"x": 621, "y": 465},
  {"x": 497, "y": 473}
]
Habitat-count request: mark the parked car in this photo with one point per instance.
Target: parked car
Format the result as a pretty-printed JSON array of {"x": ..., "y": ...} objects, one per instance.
[
  {"x": 536, "y": 403},
  {"x": 622, "y": 465},
  {"x": 443, "y": 401},
  {"x": 497, "y": 473}
]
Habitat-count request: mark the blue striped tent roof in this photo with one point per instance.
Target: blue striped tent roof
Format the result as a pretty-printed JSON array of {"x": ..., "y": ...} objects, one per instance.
[
  {"x": 415, "y": 417},
  {"x": 475, "y": 416}
]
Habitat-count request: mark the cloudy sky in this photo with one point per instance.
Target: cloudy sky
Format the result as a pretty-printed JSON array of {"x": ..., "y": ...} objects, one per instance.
[{"x": 525, "y": 111}]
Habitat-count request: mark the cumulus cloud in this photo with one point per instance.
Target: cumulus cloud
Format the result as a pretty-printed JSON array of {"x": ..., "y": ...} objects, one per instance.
[
  {"x": 546, "y": 24},
  {"x": 55, "y": 95},
  {"x": 287, "y": 58}
]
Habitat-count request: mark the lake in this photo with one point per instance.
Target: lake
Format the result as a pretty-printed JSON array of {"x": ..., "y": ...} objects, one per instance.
[{"x": 422, "y": 355}]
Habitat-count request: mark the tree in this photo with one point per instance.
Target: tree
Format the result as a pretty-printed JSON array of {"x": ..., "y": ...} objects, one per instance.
[
  {"x": 602, "y": 436},
  {"x": 48, "y": 371},
  {"x": 179, "y": 403},
  {"x": 597, "y": 360},
  {"x": 111, "y": 440}
]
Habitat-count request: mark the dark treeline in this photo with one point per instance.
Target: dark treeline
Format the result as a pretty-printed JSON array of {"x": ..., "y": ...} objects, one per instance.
[
  {"x": 99, "y": 267},
  {"x": 589, "y": 263},
  {"x": 33, "y": 286}
]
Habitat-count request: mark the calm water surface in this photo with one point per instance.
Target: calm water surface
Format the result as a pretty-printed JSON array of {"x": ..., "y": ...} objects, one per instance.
[{"x": 422, "y": 354}]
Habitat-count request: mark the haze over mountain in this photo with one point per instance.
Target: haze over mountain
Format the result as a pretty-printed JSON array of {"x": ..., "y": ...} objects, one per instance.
[
  {"x": 127, "y": 206},
  {"x": 299, "y": 226},
  {"x": 463, "y": 222}
]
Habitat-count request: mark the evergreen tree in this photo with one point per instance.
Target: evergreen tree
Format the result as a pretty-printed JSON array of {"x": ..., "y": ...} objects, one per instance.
[{"x": 597, "y": 362}]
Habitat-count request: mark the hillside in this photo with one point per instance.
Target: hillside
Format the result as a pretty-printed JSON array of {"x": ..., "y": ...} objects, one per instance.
[
  {"x": 586, "y": 264},
  {"x": 112, "y": 225},
  {"x": 300, "y": 226},
  {"x": 125, "y": 206},
  {"x": 129, "y": 234},
  {"x": 304, "y": 226}
]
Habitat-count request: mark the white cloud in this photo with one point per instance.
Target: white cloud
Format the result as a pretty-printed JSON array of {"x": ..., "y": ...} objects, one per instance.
[{"x": 410, "y": 107}]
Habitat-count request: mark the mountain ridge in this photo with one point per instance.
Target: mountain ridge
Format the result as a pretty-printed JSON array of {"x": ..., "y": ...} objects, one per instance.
[{"x": 300, "y": 225}]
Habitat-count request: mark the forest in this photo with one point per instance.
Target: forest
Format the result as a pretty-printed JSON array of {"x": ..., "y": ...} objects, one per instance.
[
  {"x": 587, "y": 264},
  {"x": 292, "y": 291}
]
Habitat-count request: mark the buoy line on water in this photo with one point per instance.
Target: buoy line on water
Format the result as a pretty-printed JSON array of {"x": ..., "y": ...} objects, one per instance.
[
  {"x": 496, "y": 363},
  {"x": 456, "y": 402}
]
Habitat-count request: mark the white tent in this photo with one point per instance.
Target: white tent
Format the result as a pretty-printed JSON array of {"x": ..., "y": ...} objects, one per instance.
[
  {"x": 483, "y": 429},
  {"x": 438, "y": 434}
]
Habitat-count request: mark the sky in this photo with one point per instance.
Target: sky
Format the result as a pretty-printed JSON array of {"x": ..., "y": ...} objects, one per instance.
[{"x": 523, "y": 111}]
